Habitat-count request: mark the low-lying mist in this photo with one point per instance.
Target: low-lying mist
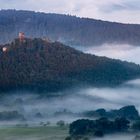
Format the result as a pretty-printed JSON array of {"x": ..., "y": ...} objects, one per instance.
[
  {"x": 36, "y": 108},
  {"x": 117, "y": 51},
  {"x": 117, "y": 137}
]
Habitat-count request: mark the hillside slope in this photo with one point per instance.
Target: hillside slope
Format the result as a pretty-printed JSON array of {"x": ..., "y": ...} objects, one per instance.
[
  {"x": 70, "y": 30},
  {"x": 38, "y": 64}
]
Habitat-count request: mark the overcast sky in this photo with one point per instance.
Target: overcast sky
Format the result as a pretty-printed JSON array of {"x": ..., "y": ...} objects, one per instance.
[{"x": 127, "y": 11}]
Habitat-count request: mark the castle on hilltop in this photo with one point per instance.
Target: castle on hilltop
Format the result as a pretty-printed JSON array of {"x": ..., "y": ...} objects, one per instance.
[{"x": 21, "y": 37}]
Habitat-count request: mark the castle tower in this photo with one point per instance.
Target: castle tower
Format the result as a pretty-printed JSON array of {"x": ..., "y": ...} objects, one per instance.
[
  {"x": 4, "y": 49},
  {"x": 21, "y": 36}
]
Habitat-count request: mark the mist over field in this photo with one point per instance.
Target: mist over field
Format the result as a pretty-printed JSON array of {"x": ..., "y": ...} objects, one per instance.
[
  {"x": 117, "y": 137},
  {"x": 66, "y": 105}
]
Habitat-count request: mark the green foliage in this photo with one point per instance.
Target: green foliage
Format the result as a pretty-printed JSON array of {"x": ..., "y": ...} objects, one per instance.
[
  {"x": 40, "y": 65},
  {"x": 129, "y": 112},
  {"x": 98, "y": 127},
  {"x": 136, "y": 125},
  {"x": 69, "y": 29},
  {"x": 99, "y": 133},
  {"x": 39, "y": 133},
  {"x": 61, "y": 123},
  {"x": 11, "y": 115}
]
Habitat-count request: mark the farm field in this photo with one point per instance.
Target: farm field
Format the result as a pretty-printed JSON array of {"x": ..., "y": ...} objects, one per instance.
[{"x": 34, "y": 133}]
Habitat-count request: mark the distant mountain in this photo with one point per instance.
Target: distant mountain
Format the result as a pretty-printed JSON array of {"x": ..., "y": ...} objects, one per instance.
[
  {"x": 70, "y": 30},
  {"x": 37, "y": 64}
]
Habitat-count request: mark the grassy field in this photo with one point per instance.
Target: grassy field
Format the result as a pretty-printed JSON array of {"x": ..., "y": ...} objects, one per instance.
[{"x": 34, "y": 133}]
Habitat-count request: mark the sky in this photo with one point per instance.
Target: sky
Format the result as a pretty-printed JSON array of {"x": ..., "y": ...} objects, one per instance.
[{"x": 125, "y": 11}]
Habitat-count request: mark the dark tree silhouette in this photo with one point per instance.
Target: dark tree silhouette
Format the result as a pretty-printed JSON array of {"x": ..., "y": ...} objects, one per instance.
[{"x": 37, "y": 64}]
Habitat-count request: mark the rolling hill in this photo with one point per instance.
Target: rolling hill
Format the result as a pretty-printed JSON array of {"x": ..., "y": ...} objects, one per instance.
[
  {"x": 70, "y": 30},
  {"x": 37, "y": 64}
]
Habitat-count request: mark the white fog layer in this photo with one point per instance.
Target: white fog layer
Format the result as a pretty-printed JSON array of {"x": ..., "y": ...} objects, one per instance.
[
  {"x": 74, "y": 101},
  {"x": 116, "y": 137},
  {"x": 116, "y": 51}
]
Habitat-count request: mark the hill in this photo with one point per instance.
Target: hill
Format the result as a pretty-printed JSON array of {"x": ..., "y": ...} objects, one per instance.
[
  {"x": 39, "y": 64},
  {"x": 70, "y": 30}
]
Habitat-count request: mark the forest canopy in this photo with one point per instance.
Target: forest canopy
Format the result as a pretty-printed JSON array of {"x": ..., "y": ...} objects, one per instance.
[{"x": 40, "y": 64}]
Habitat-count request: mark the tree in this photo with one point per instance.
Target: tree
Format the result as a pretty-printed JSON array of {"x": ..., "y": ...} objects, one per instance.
[
  {"x": 136, "y": 125},
  {"x": 121, "y": 124},
  {"x": 61, "y": 123},
  {"x": 98, "y": 127},
  {"x": 99, "y": 133}
]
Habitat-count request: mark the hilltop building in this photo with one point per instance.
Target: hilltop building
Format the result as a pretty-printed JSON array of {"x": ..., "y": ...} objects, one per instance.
[
  {"x": 21, "y": 37},
  {"x": 4, "y": 49}
]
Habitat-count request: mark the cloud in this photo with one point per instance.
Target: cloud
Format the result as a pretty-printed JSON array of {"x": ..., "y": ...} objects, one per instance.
[
  {"x": 112, "y": 8},
  {"x": 127, "y": 11},
  {"x": 121, "y": 5}
]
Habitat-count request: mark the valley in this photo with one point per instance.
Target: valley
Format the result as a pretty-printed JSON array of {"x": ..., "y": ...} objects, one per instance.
[{"x": 68, "y": 78}]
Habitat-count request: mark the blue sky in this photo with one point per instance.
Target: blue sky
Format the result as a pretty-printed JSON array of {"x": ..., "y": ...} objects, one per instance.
[{"x": 127, "y": 11}]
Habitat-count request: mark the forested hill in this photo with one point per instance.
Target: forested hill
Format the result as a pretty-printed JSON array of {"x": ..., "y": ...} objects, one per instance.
[
  {"x": 39, "y": 64},
  {"x": 67, "y": 29}
]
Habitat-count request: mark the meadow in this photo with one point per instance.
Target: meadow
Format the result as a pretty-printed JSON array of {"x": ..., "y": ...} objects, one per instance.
[{"x": 34, "y": 133}]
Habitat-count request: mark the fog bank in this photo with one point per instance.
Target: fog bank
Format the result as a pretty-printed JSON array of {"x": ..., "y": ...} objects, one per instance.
[
  {"x": 117, "y": 51},
  {"x": 36, "y": 107},
  {"x": 117, "y": 137}
]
